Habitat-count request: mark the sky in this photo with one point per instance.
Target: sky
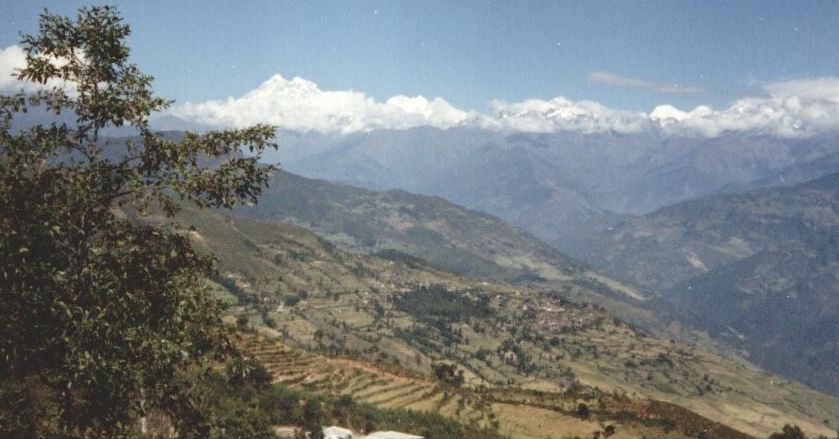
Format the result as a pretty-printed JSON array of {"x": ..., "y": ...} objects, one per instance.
[{"x": 478, "y": 57}]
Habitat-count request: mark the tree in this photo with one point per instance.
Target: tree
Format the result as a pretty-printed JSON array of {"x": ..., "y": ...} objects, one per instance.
[
  {"x": 318, "y": 335},
  {"x": 583, "y": 411},
  {"x": 369, "y": 426},
  {"x": 242, "y": 322},
  {"x": 789, "y": 432},
  {"x": 313, "y": 418},
  {"x": 248, "y": 371},
  {"x": 448, "y": 374},
  {"x": 103, "y": 315}
]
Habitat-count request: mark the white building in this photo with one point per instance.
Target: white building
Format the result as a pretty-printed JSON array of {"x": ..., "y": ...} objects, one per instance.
[
  {"x": 336, "y": 433},
  {"x": 391, "y": 435}
]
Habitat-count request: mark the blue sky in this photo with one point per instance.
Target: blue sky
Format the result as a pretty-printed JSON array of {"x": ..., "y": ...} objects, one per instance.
[{"x": 472, "y": 52}]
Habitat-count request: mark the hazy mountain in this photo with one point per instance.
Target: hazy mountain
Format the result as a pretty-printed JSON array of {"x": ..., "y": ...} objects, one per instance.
[
  {"x": 798, "y": 172},
  {"x": 663, "y": 248},
  {"x": 561, "y": 187},
  {"x": 388, "y": 159},
  {"x": 444, "y": 234},
  {"x": 526, "y": 191},
  {"x": 758, "y": 269},
  {"x": 780, "y": 304}
]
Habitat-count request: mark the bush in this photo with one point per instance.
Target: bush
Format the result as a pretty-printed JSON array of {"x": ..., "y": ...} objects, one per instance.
[
  {"x": 583, "y": 411},
  {"x": 448, "y": 374},
  {"x": 291, "y": 300},
  {"x": 248, "y": 371},
  {"x": 789, "y": 432}
]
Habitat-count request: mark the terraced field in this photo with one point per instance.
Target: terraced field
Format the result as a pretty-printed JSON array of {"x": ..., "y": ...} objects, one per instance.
[
  {"x": 603, "y": 358},
  {"x": 520, "y": 414},
  {"x": 361, "y": 380}
]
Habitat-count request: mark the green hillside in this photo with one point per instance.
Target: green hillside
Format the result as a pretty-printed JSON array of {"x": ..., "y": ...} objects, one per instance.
[{"x": 444, "y": 234}]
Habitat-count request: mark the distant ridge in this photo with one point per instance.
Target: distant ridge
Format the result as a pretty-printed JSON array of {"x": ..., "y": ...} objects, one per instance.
[
  {"x": 443, "y": 234},
  {"x": 757, "y": 269}
]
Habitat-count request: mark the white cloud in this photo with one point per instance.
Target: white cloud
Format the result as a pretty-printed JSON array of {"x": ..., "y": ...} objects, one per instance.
[
  {"x": 799, "y": 108},
  {"x": 658, "y": 87},
  {"x": 11, "y": 59},
  {"x": 796, "y": 108},
  {"x": 807, "y": 89},
  {"x": 298, "y": 104},
  {"x": 558, "y": 114}
]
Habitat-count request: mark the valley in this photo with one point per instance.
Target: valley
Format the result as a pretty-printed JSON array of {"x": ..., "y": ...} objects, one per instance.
[
  {"x": 665, "y": 215},
  {"x": 354, "y": 314}
]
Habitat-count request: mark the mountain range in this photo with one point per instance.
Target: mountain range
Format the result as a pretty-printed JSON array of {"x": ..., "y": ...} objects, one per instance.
[{"x": 562, "y": 187}]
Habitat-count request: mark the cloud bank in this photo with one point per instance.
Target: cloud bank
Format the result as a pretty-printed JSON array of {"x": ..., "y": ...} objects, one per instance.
[
  {"x": 789, "y": 109},
  {"x": 799, "y": 108},
  {"x": 298, "y": 104},
  {"x": 658, "y": 87},
  {"x": 558, "y": 114}
]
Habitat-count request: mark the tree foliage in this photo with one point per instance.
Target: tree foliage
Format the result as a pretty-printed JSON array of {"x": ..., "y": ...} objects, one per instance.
[
  {"x": 102, "y": 315},
  {"x": 789, "y": 432},
  {"x": 448, "y": 374}
]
